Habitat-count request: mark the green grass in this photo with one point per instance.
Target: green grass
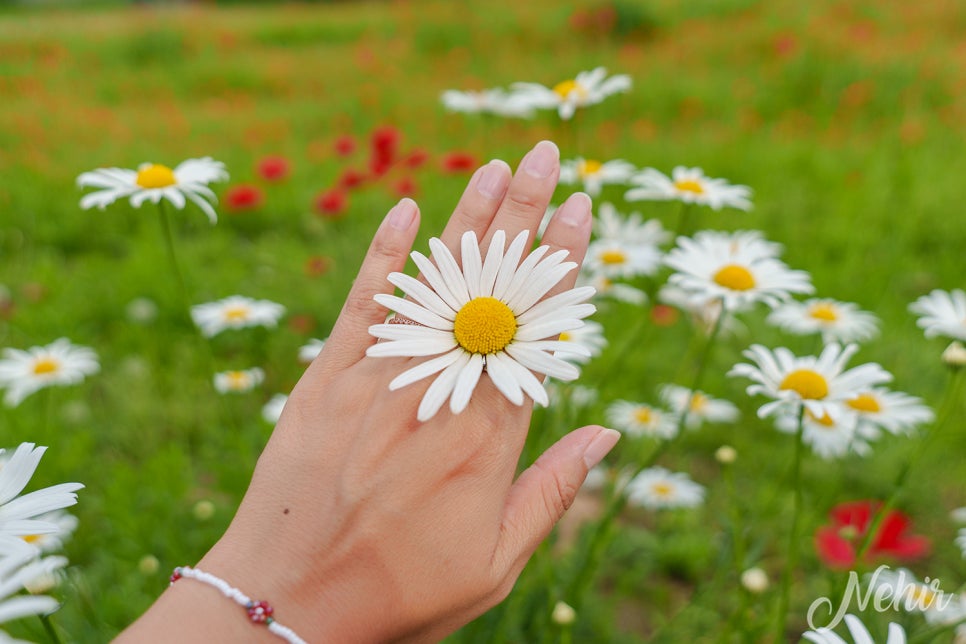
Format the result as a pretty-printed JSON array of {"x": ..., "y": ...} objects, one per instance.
[{"x": 844, "y": 118}]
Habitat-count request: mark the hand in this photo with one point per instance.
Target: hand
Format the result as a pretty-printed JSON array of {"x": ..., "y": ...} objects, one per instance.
[{"x": 362, "y": 524}]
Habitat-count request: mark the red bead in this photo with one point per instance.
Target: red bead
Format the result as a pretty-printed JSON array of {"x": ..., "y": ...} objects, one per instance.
[
  {"x": 259, "y": 612},
  {"x": 175, "y": 576}
]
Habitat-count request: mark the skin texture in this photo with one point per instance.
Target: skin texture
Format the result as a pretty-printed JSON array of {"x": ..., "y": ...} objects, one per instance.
[{"x": 362, "y": 524}]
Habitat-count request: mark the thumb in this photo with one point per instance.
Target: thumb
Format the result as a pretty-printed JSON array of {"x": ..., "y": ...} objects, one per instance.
[{"x": 544, "y": 491}]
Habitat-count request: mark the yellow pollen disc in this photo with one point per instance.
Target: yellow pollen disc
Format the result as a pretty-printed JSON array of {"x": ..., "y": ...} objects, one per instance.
[
  {"x": 824, "y": 420},
  {"x": 613, "y": 257},
  {"x": 662, "y": 489},
  {"x": 737, "y": 278},
  {"x": 698, "y": 402},
  {"x": 31, "y": 538},
  {"x": 808, "y": 384},
  {"x": 484, "y": 325},
  {"x": 565, "y": 337},
  {"x": 45, "y": 366},
  {"x": 588, "y": 168},
  {"x": 155, "y": 176},
  {"x": 565, "y": 88},
  {"x": 865, "y": 403},
  {"x": 689, "y": 185},
  {"x": 922, "y": 596},
  {"x": 823, "y": 312},
  {"x": 236, "y": 313},
  {"x": 643, "y": 415},
  {"x": 238, "y": 379}
]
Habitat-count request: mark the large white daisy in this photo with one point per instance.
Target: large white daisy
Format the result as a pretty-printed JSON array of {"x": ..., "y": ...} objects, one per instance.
[
  {"x": 690, "y": 186},
  {"x": 153, "y": 182},
  {"x": 589, "y": 338},
  {"x": 836, "y": 321},
  {"x": 858, "y": 631},
  {"x": 588, "y": 88},
  {"x": 820, "y": 383},
  {"x": 238, "y": 380},
  {"x": 830, "y": 436},
  {"x": 894, "y": 411},
  {"x": 494, "y": 101},
  {"x": 658, "y": 488},
  {"x": 59, "y": 363},
  {"x": 738, "y": 268},
  {"x": 235, "y": 312},
  {"x": 593, "y": 174},
  {"x": 18, "y": 572},
  {"x": 942, "y": 313},
  {"x": 624, "y": 247},
  {"x": 641, "y": 419},
  {"x": 700, "y": 406},
  {"x": 486, "y": 316}
]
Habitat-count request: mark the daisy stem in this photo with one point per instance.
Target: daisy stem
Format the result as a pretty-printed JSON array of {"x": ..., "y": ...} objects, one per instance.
[
  {"x": 49, "y": 628},
  {"x": 792, "y": 556},
  {"x": 172, "y": 256},
  {"x": 684, "y": 220},
  {"x": 950, "y": 400}
]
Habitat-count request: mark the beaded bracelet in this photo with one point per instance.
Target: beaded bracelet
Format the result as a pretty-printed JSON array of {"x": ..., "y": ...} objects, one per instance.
[{"x": 260, "y": 612}]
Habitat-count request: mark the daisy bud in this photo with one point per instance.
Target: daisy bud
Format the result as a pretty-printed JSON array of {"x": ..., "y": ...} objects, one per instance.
[
  {"x": 149, "y": 565},
  {"x": 203, "y": 510},
  {"x": 755, "y": 580},
  {"x": 726, "y": 455},
  {"x": 563, "y": 614},
  {"x": 955, "y": 355}
]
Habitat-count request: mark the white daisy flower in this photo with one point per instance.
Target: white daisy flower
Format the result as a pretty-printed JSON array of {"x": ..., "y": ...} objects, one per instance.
[
  {"x": 593, "y": 175},
  {"x": 690, "y": 186},
  {"x": 16, "y": 574},
  {"x": 702, "y": 311},
  {"x": 836, "y": 321},
  {"x": 700, "y": 406},
  {"x": 919, "y": 596},
  {"x": 235, "y": 312},
  {"x": 820, "y": 384},
  {"x": 21, "y": 515},
  {"x": 657, "y": 488},
  {"x": 272, "y": 410},
  {"x": 65, "y": 522},
  {"x": 238, "y": 380},
  {"x": 495, "y": 101},
  {"x": 152, "y": 182},
  {"x": 641, "y": 419},
  {"x": 894, "y": 411},
  {"x": 829, "y": 436},
  {"x": 961, "y": 541},
  {"x": 942, "y": 313},
  {"x": 958, "y": 515},
  {"x": 486, "y": 316},
  {"x": 588, "y": 88},
  {"x": 739, "y": 268},
  {"x": 59, "y": 363},
  {"x": 858, "y": 631},
  {"x": 577, "y": 396},
  {"x": 624, "y": 247},
  {"x": 608, "y": 288},
  {"x": 590, "y": 338},
  {"x": 311, "y": 350}
]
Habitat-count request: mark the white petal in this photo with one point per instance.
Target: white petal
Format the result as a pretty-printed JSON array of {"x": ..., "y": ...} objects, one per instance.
[
  {"x": 527, "y": 381},
  {"x": 525, "y": 273},
  {"x": 558, "y": 301},
  {"x": 406, "y": 332},
  {"x": 541, "y": 362},
  {"x": 491, "y": 266},
  {"x": 424, "y": 369},
  {"x": 548, "y": 329},
  {"x": 566, "y": 346},
  {"x": 450, "y": 271},
  {"x": 411, "y": 348},
  {"x": 441, "y": 388},
  {"x": 509, "y": 264},
  {"x": 472, "y": 264},
  {"x": 501, "y": 376},
  {"x": 465, "y": 384},
  {"x": 422, "y": 294},
  {"x": 413, "y": 311},
  {"x": 432, "y": 275},
  {"x": 538, "y": 286}
]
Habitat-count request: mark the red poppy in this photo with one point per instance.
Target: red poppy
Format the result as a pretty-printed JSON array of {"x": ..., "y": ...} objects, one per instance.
[
  {"x": 331, "y": 203},
  {"x": 302, "y": 323},
  {"x": 344, "y": 145},
  {"x": 385, "y": 141},
  {"x": 837, "y": 544},
  {"x": 351, "y": 178},
  {"x": 416, "y": 158},
  {"x": 243, "y": 197},
  {"x": 405, "y": 187},
  {"x": 458, "y": 162},
  {"x": 664, "y": 315},
  {"x": 317, "y": 265},
  {"x": 273, "y": 168}
]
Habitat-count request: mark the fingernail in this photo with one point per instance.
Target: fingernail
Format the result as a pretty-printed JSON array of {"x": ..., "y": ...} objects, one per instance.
[
  {"x": 575, "y": 211},
  {"x": 493, "y": 180},
  {"x": 599, "y": 447},
  {"x": 541, "y": 160},
  {"x": 402, "y": 214}
]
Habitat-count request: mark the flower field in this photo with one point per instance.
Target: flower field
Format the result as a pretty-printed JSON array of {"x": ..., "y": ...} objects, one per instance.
[{"x": 188, "y": 191}]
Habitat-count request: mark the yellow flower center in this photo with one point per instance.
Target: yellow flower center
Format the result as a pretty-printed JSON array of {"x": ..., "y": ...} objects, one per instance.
[
  {"x": 238, "y": 379},
  {"x": 236, "y": 313},
  {"x": 565, "y": 88},
  {"x": 864, "y": 403},
  {"x": 45, "y": 366},
  {"x": 155, "y": 175},
  {"x": 613, "y": 257},
  {"x": 643, "y": 415},
  {"x": 823, "y": 312},
  {"x": 698, "y": 402},
  {"x": 662, "y": 489},
  {"x": 565, "y": 336},
  {"x": 689, "y": 185},
  {"x": 31, "y": 538},
  {"x": 588, "y": 168},
  {"x": 808, "y": 384},
  {"x": 825, "y": 420},
  {"x": 922, "y": 596},
  {"x": 737, "y": 278},
  {"x": 484, "y": 325}
]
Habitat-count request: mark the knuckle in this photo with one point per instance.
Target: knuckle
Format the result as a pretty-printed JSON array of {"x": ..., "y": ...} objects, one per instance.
[
  {"x": 522, "y": 201},
  {"x": 558, "y": 492}
]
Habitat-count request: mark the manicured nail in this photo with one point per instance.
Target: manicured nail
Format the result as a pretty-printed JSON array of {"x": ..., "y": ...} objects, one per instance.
[
  {"x": 599, "y": 447},
  {"x": 402, "y": 214},
  {"x": 493, "y": 180},
  {"x": 541, "y": 160},
  {"x": 575, "y": 211}
]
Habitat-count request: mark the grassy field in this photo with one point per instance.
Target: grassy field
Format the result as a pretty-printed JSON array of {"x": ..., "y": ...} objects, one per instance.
[{"x": 846, "y": 119}]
